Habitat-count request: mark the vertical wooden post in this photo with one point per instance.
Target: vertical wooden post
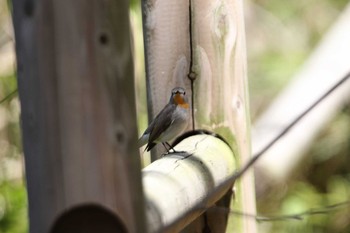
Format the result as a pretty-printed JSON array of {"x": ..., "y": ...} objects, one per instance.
[
  {"x": 167, "y": 52},
  {"x": 76, "y": 89},
  {"x": 221, "y": 97},
  {"x": 217, "y": 46}
]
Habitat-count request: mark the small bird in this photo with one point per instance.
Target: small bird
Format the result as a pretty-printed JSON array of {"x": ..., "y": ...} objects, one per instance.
[{"x": 169, "y": 123}]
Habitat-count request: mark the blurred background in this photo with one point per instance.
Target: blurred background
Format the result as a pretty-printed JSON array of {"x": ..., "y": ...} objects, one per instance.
[{"x": 280, "y": 36}]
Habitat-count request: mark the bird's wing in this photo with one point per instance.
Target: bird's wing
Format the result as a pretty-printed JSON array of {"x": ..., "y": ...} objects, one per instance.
[{"x": 162, "y": 121}]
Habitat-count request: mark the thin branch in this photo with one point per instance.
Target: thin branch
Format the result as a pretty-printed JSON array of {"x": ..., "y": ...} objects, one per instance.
[
  {"x": 8, "y": 96},
  {"x": 298, "y": 216},
  {"x": 255, "y": 157}
]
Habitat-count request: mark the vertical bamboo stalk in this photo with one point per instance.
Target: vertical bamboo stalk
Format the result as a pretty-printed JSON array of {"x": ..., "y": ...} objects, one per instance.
[
  {"x": 221, "y": 98},
  {"x": 217, "y": 42},
  {"x": 76, "y": 89},
  {"x": 166, "y": 36}
]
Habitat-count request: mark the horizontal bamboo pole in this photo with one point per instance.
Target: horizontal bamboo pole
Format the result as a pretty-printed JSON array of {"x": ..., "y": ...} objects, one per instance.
[{"x": 174, "y": 184}]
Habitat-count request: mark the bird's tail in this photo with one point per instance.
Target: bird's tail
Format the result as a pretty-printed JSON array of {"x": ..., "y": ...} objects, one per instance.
[
  {"x": 143, "y": 140},
  {"x": 150, "y": 146}
]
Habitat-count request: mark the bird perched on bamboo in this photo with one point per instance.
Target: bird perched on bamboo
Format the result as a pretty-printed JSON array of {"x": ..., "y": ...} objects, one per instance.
[{"x": 169, "y": 123}]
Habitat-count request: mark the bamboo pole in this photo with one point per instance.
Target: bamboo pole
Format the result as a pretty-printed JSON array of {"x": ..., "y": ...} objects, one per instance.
[
  {"x": 166, "y": 40},
  {"x": 76, "y": 89},
  {"x": 221, "y": 97},
  {"x": 178, "y": 181},
  {"x": 205, "y": 40}
]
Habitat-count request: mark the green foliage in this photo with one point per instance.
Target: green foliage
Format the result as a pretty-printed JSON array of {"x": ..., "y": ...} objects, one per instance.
[
  {"x": 13, "y": 207},
  {"x": 13, "y": 201},
  {"x": 304, "y": 197},
  {"x": 322, "y": 181},
  {"x": 135, "y": 4},
  {"x": 279, "y": 40},
  {"x": 8, "y": 85},
  {"x": 280, "y": 36}
]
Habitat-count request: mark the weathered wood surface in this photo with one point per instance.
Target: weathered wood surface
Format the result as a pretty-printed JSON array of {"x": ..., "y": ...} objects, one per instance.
[
  {"x": 174, "y": 184},
  {"x": 167, "y": 53},
  {"x": 76, "y": 88},
  {"x": 221, "y": 98},
  {"x": 219, "y": 65}
]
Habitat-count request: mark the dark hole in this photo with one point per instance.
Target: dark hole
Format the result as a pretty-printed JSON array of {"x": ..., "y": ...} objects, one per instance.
[
  {"x": 103, "y": 39},
  {"x": 88, "y": 219},
  {"x": 120, "y": 136}
]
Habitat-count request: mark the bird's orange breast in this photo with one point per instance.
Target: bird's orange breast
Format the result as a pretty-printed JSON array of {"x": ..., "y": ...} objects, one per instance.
[{"x": 179, "y": 100}]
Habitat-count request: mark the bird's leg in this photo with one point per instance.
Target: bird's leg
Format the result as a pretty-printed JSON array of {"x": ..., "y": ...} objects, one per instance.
[
  {"x": 167, "y": 149},
  {"x": 170, "y": 147},
  {"x": 165, "y": 144}
]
